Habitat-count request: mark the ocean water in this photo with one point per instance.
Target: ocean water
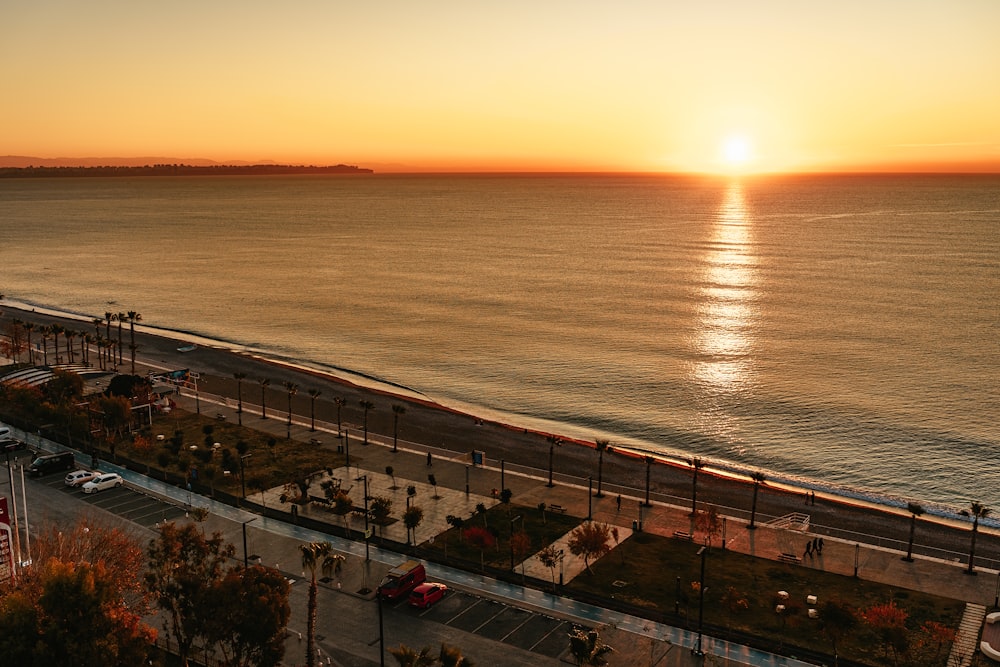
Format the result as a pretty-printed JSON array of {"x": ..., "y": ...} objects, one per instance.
[{"x": 837, "y": 331}]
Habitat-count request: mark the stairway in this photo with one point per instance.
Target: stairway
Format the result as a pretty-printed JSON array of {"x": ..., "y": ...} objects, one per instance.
[{"x": 967, "y": 640}]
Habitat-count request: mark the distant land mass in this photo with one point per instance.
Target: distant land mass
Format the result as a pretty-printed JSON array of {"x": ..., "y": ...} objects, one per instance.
[{"x": 169, "y": 169}]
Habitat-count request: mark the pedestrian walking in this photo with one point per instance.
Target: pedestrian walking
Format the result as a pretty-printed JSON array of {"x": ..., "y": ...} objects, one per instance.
[
  {"x": 619, "y": 502},
  {"x": 809, "y": 550},
  {"x": 819, "y": 545},
  {"x": 430, "y": 459}
]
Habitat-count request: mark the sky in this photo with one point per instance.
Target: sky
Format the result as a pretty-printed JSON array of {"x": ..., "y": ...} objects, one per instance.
[{"x": 535, "y": 85}]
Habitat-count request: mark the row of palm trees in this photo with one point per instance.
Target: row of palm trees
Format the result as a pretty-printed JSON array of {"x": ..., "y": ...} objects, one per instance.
[
  {"x": 106, "y": 345},
  {"x": 291, "y": 389}
]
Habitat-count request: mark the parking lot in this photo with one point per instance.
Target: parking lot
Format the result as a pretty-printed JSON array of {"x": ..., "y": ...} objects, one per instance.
[{"x": 526, "y": 630}]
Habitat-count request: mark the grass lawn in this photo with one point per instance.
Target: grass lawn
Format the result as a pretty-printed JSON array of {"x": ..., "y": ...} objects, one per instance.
[
  {"x": 741, "y": 593},
  {"x": 540, "y": 530},
  {"x": 273, "y": 461}
]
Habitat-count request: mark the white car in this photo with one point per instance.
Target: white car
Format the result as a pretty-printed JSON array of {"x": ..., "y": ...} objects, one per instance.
[
  {"x": 106, "y": 481},
  {"x": 80, "y": 477}
]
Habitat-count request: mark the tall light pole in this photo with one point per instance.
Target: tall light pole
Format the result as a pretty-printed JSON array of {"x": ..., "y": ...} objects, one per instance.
[
  {"x": 696, "y": 650},
  {"x": 243, "y": 477},
  {"x": 246, "y": 562},
  {"x": 512, "y": 541},
  {"x": 381, "y": 630},
  {"x": 466, "y": 481},
  {"x": 364, "y": 478},
  {"x": 590, "y": 498}
]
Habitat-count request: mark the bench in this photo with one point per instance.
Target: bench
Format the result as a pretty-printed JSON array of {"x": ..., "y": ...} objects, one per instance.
[
  {"x": 786, "y": 557},
  {"x": 557, "y": 508},
  {"x": 682, "y": 535}
]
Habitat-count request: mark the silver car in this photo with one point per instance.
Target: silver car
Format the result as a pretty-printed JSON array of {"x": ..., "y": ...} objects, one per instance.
[
  {"x": 108, "y": 480},
  {"x": 80, "y": 477}
]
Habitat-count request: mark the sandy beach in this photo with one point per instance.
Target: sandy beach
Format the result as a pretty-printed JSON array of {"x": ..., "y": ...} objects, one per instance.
[{"x": 433, "y": 426}]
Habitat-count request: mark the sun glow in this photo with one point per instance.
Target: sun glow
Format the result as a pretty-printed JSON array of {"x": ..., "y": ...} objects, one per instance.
[{"x": 737, "y": 151}]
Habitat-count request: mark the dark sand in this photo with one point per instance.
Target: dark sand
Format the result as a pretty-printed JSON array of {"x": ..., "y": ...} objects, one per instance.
[{"x": 435, "y": 426}]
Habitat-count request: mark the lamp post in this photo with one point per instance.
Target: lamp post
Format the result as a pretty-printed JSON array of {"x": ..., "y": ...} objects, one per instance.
[
  {"x": 503, "y": 484},
  {"x": 364, "y": 478},
  {"x": 381, "y": 632},
  {"x": 466, "y": 481},
  {"x": 562, "y": 566},
  {"x": 701, "y": 602},
  {"x": 243, "y": 477},
  {"x": 246, "y": 562},
  {"x": 347, "y": 449},
  {"x": 590, "y": 498}
]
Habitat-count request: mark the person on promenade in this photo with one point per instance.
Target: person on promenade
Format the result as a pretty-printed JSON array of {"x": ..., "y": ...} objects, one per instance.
[
  {"x": 619, "y": 502},
  {"x": 430, "y": 459}
]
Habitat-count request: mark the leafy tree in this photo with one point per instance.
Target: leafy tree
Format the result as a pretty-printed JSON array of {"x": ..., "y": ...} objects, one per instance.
[
  {"x": 392, "y": 474},
  {"x": 412, "y": 518},
  {"x": 184, "y": 564},
  {"x": 541, "y": 508},
  {"x": 587, "y": 648},
  {"x": 343, "y": 505},
  {"x": 589, "y": 540},
  {"x": 889, "y": 623},
  {"x": 457, "y": 523},
  {"x": 551, "y": 557},
  {"x": 520, "y": 545},
  {"x": 933, "y": 640},
  {"x": 75, "y": 617},
  {"x": 246, "y": 615},
  {"x": 480, "y": 538},
  {"x": 381, "y": 509},
  {"x": 481, "y": 510},
  {"x": 709, "y": 522},
  {"x": 836, "y": 619}
]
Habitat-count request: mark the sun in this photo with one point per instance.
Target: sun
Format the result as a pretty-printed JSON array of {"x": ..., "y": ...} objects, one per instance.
[{"x": 737, "y": 151}]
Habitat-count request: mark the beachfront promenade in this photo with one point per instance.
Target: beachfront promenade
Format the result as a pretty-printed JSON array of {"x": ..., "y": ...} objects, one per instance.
[{"x": 461, "y": 486}]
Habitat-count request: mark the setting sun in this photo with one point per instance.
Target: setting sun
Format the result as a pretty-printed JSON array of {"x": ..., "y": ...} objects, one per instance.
[{"x": 737, "y": 151}]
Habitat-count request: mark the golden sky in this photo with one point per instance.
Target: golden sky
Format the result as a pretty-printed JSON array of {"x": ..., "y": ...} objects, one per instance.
[{"x": 530, "y": 85}]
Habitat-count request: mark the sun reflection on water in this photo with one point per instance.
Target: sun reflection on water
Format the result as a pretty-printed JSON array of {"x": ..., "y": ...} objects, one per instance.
[{"x": 727, "y": 314}]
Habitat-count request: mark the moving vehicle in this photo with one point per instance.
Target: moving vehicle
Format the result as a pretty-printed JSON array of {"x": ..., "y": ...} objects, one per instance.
[
  {"x": 108, "y": 480},
  {"x": 47, "y": 463},
  {"x": 80, "y": 477},
  {"x": 402, "y": 579},
  {"x": 425, "y": 595}
]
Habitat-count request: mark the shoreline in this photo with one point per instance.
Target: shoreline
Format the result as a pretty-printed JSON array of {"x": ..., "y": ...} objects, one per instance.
[{"x": 219, "y": 359}]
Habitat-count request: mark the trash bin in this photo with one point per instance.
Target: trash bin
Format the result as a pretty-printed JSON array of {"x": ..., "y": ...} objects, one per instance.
[
  {"x": 340, "y": 449},
  {"x": 635, "y": 526}
]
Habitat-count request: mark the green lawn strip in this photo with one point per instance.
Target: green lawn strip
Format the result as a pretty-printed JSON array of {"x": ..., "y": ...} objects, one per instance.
[
  {"x": 541, "y": 530},
  {"x": 644, "y": 571},
  {"x": 273, "y": 461}
]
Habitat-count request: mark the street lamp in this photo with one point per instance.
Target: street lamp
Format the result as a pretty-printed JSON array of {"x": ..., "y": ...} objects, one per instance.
[
  {"x": 466, "y": 481},
  {"x": 246, "y": 562},
  {"x": 347, "y": 450},
  {"x": 381, "y": 631},
  {"x": 590, "y": 498},
  {"x": 364, "y": 478},
  {"x": 243, "y": 477},
  {"x": 701, "y": 601}
]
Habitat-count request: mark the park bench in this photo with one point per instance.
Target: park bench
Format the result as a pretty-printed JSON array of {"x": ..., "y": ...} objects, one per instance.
[
  {"x": 557, "y": 508},
  {"x": 786, "y": 557},
  {"x": 682, "y": 535}
]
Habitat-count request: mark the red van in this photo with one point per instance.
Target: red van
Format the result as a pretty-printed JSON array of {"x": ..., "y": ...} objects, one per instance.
[{"x": 402, "y": 579}]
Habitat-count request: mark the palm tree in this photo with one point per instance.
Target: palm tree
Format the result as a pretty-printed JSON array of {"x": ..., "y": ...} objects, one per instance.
[
  {"x": 313, "y": 395},
  {"x": 696, "y": 465},
  {"x": 408, "y": 657},
  {"x": 292, "y": 389},
  {"x": 451, "y": 656},
  {"x": 46, "y": 332},
  {"x": 70, "y": 336},
  {"x": 133, "y": 317},
  {"x": 601, "y": 446},
  {"x": 85, "y": 342},
  {"x": 108, "y": 317},
  {"x": 649, "y": 467},
  {"x": 977, "y": 511},
  {"x": 314, "y": 554},
  {"x": 758, "y": 479},
  {"x": 56, "y": 330},
  {"x": 263, "y": 397},
  {"x": 29, "y": 327},
  {"x": 120, "y": 317},
  {"x": 553, "y": 441},
  {"x": 97, "y": 322},
  {"x": 367, "y": 405},
  {"x": 587, "y": 648},
  {"x": 239, "y": 395},
  {"x": 339, "y": 401},
  {"x": 397, "y": 410},
  {"x": 915, "y": 510}
]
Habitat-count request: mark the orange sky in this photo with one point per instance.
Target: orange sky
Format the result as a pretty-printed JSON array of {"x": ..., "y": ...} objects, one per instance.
[{"x": 518, "y": 85}]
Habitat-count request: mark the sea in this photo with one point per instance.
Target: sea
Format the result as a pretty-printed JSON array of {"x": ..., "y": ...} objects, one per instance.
[{"x": 838, "y": 332}]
